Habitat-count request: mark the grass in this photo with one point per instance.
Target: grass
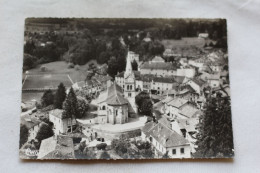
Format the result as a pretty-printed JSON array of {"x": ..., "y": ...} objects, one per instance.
[
  {"x": 61, "y": 67},
  {"x": 46, "y": 81},
  {"x": 56, "y": 72},
  {"x": 28, "y": 97}
]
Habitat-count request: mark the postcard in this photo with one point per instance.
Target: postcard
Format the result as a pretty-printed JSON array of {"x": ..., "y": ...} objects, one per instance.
[{"x": 125, "y": 88}]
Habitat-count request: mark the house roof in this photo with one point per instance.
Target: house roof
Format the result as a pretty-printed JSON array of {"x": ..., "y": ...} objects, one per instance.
[
  {"x": 102, "y": 78},
  {"x": 57, "y": 147},
  {"x": 188, "y": 124},
  {"x": 167, "y": 137},
  {"x": 57, "y": 113},
  {"x": 198, "y": 81},
  {"x": 158, "y": 65},
  {"x": 177, "y": 102},
  {"x": 147, "y": 127},
  {"x": 115, "y": 95},
  {"x": 158, "y": 59},
  {"x": 189, "y": 111},
  {"x": 167, "y": 99},
  {"x": 30, "y": 121}
]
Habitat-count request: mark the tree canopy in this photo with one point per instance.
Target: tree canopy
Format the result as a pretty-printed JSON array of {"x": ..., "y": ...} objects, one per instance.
[
  {"x": 24, "y": 134},
  {"x": 44, "y": 132},
  {"x": 60, "y": 96},
  {"x": 47, "y": 98},
  {"x": 70, "y": 105},
  {"x": 215, "y": 137}
]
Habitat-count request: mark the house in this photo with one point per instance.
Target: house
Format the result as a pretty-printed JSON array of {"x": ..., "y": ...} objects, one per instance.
[
  {"x": 56, "y": 147},
  {"x": 172, "y": 108},
  {"x": 169, "y": 52},
  {"x": 186, "y": 128},
  {"x": 186, "y": 72},
  {"x": 196, "y": 84},
  {"x": 203, "y": 35},
  {"x": 188, "y": 111},
  {"x": 105, "y": 81},
  {"x": 165, "y": 140},
  {"x": 90, "y": 86},
  {"x": 188, "y": 93},
  {"x": 33, "y": 125},
  {"x": 158, "y": 67},
  {"x": 61, "y": 124},
  {"x": 214, "y": 80}
]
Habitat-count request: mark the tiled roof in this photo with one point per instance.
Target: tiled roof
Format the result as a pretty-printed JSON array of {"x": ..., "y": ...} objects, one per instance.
[
  {"x": 167, "y": 137},
  {"x": 158, "y": 59},
  {"x": 189, "y": 111},
  {"x": 29, "y": 121},
  {"x": 188, "y": 124},
  {"x": 147, "y": 127},
  {"x": 59, "y": 147},
  {"x": 102, "y": 78},
  {"x": 167, "y": 99},
  {"x": 158, "y": 65},
  {"x": 115, "y": 96},
  {"x": 177, "y": 102}
]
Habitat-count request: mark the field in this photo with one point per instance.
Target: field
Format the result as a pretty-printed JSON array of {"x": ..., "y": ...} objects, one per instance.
[
  {"x": 30, "y": 96},
  {"x": 45, "y": 81},
  {"x": 184, "y": 42},
  {"x": 35, "y": 81},
  {"x": 61, "y": 67}
]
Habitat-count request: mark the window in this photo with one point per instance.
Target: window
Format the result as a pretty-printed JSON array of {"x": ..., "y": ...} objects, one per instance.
[
  {"x": 116, "y": 112},
  {"x": 182, "y": 150},
  {"x": 129, "y": 94},
  {"x": 173, "y": 151},
  {"x": 104, "y": 107}
]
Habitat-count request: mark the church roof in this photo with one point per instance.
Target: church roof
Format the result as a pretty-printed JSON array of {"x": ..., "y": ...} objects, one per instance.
[{"x": 115, "y": 95}]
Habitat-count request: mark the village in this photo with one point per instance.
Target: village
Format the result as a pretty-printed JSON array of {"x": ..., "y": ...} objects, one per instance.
[{"x": 151, "y": 109}]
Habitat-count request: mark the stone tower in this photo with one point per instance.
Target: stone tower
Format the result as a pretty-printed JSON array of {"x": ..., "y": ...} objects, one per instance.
[{"x": 129, "y": 83}]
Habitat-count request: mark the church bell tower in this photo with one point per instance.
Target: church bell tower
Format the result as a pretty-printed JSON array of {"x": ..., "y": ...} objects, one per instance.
[{"x": 129, "y": 83}]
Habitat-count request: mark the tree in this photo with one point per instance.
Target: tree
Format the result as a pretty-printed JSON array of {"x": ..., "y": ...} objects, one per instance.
[
  {"x": 29, "y": 62},
  {"x": 215, "y": 137},
  {"x": 144, "y": 103},
  {"x": 140, "y": 97},
  {"x": 105, "y": 155},
  {"x": 120, "y": 146},
  {"x": 44, "y": 132},
  {"x": 47, "y": 98},
  {"x": 134, "y": 65},
  {"x": 83, "y": 107},
  {"x": 24, "y": 133},
  {"x": 60, "y": 96},
  {"x": 70, "y": 106},
  {"x": 112, "y": 67}
]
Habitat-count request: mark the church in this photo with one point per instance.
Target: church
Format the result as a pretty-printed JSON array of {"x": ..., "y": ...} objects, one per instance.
[{"x": 117, "y": 104}]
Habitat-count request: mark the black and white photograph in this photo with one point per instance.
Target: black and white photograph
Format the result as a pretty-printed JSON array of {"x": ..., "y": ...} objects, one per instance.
[{"x": 125, "y": 88}]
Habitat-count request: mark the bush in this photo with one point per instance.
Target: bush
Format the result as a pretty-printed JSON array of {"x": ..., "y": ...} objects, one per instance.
[
  {"x": 76, "y": 67},
  {"x": 101, "y": 146},
  {"x": 43, "y": 68},
  {"x": 70, "y": 65}
]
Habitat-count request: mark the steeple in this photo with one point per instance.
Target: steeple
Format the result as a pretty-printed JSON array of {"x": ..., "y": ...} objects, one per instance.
[{"x": 128, "y": 69}]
